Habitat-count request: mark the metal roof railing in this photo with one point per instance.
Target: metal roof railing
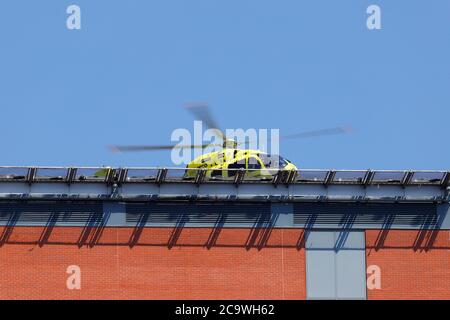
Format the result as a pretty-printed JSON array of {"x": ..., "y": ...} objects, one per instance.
[{"x": 37, "y": 174}]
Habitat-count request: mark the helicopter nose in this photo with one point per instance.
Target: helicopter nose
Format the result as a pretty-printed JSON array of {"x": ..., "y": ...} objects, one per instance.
[{"x": 290, "y": 166}]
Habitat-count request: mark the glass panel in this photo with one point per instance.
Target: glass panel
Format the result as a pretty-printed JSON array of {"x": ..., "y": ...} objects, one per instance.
[
  {"x": 177, "y": 174},
  {"x": 141, "y": 174},
  {"x": 349, "y": 176},
  {"x": 388, "y": 176},
  {"x": 13, "y": 173},
  {"x": 91, "y": 174},
  {"x": 311, "y": 176},
  {"x": 427, "y": 177},
  {"x": 273, "y": 161},
  {"x": 56, "y": 174}
]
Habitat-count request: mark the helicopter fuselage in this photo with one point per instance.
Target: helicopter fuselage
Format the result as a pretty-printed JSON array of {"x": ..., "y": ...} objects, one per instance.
[{"x": 225, "y": 163}]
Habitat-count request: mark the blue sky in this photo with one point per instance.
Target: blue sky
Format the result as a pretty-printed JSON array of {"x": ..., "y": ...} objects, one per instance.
[{"x": 289, "y": 64}]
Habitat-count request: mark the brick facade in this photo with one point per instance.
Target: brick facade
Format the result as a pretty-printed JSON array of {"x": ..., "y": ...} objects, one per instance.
[
  {"x": 205, "y": 263},
  {"x": 152, "y": 263},
  {"x": 414, "y": 264}
]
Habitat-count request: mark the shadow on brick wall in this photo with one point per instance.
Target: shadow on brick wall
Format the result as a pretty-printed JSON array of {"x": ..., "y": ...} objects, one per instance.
[
  {"x": 96, "y": 233},
  {"x": 262, "y": 234},
  {"x": 424, "y": 239}
]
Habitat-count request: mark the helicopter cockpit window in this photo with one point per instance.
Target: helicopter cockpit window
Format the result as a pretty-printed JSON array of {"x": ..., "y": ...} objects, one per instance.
[
  {"x": 253, "y": 163},
  {"x": 283, "y": 161},
  {"x": 234, "y": 166},
  {"x": 273, "y": 161}
]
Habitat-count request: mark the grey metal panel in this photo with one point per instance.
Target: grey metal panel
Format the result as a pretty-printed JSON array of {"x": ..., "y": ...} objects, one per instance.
[
  {"x": 59, "y": 188},
  {"x": 417, "y": 192},
  {"x": 335, "y": 265},
  {"x": 377, "y": 191},
  {"x": 115, "y": 213},
  {"x": 261, "y": 189},
  {"x": 212, "y": 189},
  {"x": 308, "y": 191},
  {"x": 320, "y": 274},
  {"x": 49, "y": 213},
  {"x": 195, "y": 214},
  {"x": 335, "y": 240},
  {"x": 350, "y": 264},
  {"x": 320, "y": 240},
  {"x": 248, "y": 214},
  {"x": 353, "y": 215},
  {"x": 345, "y": 239},
  {"x": 412, "y": 223},
  {"x": 351, "y": 274},
  {"x": 178, "y": 189},
  {"x": 90, "y": 189},
  {"x": 345, "y": 192},
  {"x": 139, "y": 188},
  {"x": 16, "y": 187},
  {"x": 444, "y": 215},
  {"x": 283, "y": 213},
  {"x": 364, "y": 208}
]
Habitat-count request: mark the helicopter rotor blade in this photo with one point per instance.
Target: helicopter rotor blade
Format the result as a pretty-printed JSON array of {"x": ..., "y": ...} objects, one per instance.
[
  {"x": 313, "y": 133},
  {"x": 318, "y": 133},
  {"x": 134, "y": 148},
  {"x": 200, "y": 111}
]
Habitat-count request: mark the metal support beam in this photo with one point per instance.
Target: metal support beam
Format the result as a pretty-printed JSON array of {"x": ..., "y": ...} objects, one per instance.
[
  {"x": 239, "y": 176},
  {"x": 71, "y": 174},
  {"x": 292, "y": 176},
  {"x": 368, "y": 177},
  {"x": 161, "y": 176},
  {"x": 111, "y": 175},
  {"x": 31, "y": 174},
  {"x": 407, "y": 178},
  {"x": 122, "y": 175},
  {"x": 445, "y": 180},
  {"x": 330, "y": 177},
  {"x": 200, "y": 177}
]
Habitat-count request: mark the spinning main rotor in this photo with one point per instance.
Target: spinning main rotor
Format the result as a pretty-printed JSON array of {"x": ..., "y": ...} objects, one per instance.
[{"x": 201, "y": 112}]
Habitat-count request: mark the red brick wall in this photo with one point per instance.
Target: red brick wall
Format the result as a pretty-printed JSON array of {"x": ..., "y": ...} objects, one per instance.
[
  {"x": 414, "y": 264},
  {"x": 162, "y": 264}
]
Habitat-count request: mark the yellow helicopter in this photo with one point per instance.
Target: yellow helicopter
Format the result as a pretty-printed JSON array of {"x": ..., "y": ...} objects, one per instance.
[{"x": 225, "y": 163}]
